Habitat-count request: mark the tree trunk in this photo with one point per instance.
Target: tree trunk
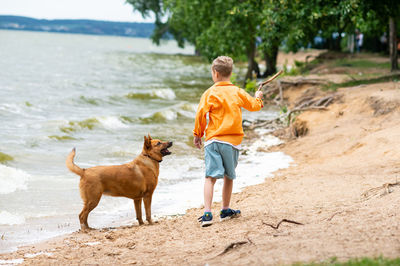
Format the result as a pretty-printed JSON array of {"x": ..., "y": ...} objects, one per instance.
[
  {"x": 251, "y": 53},
  {"x": 393, "y": 44},
  {"x": 270, "y": 60}
]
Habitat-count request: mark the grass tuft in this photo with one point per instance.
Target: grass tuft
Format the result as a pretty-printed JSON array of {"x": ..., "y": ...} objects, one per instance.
[{"x": 379, "y": 261}]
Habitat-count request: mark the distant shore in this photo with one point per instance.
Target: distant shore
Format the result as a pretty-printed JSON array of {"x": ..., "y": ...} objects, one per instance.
[{"x": 78, "y": 26}]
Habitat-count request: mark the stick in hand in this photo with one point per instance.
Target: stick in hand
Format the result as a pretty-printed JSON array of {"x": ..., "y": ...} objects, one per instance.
[{"x": 270, "y": 79}]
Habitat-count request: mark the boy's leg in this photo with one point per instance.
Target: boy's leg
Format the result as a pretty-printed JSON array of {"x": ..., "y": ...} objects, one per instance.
[
  {"x": 208, "y": 193},
  {"x": 226, "y": 192},
  {"x": 226, "y": 212},
  {"x": 230, "y": 157}
]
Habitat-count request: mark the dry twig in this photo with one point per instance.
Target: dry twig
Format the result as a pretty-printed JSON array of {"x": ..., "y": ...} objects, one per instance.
[
  {"x": 333, "y": 215},
  {"x": 283, "y": 220}
]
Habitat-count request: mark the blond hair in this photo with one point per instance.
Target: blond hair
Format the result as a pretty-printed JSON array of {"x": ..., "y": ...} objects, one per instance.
[{"x": 223, "y": 65}]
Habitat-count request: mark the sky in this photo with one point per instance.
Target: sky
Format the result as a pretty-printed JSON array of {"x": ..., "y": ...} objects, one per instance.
[{"x": 112, "y": 10}]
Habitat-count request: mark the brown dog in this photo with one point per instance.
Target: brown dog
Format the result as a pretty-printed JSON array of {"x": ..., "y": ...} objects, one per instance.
[{"x": 135, "y": 180}]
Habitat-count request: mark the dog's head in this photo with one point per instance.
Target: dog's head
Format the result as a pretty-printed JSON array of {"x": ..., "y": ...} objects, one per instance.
[{"x": 155, "y": 148}]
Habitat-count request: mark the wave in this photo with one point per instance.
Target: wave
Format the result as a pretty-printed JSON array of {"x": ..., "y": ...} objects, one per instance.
[
  {"x": 12, "y": 179},
  {"x": 25, "y": 109},
  {"x": 7, "y": 218},
  {"x": 107, "y": 122},
  {"x": 167, "y": 94},
  {"x": 111, "y": 122},
  {"x": 185, "y": 110},
  {"x": 89, "y": 100}
]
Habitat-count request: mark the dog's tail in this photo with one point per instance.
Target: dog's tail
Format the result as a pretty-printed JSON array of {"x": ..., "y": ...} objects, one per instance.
[{"x": 70, "y": 164}]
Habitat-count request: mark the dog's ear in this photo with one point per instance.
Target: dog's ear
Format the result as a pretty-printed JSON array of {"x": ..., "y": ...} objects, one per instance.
[
  {"x": 149, "y": 136},
  {"x": 147, "y": 142}
]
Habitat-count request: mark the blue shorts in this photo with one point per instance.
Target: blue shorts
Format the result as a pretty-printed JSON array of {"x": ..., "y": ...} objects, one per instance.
[{"x": 221, "y": 160}]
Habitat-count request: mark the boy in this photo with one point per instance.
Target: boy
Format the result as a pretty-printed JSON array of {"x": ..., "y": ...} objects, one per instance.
[{"x": 223, "y": 102}]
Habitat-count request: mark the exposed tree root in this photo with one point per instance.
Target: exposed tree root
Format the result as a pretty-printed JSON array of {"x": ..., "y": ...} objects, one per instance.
[
  {"x": 275, "y": 88},
  {"x": 283, "y": 220},
  {"x": 267, "y": 124},
  {"x": 308, "y": 102},
  {"x": 303, "y": 81}
]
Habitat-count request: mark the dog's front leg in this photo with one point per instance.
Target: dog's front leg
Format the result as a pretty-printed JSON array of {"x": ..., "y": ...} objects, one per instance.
[
  {"x": 147, "y": 207},
  {"x": 138, "y": 208}
]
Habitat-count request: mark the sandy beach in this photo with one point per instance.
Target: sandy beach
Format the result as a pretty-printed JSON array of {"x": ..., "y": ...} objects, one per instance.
[{"x": 351, "y": 147}]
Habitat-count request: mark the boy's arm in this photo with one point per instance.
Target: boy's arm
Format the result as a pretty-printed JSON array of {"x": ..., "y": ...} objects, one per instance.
[
  {"x": 250, "y": 103},
  {"x": 201, "y": 117}
]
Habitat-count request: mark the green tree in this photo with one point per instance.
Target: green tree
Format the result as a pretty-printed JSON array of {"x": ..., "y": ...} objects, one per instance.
[
  {"x": 288, "y": 21},
  {"x": 217, "y": 27},
  {"x": 241, "y": 28},
  {"x": 155, "y": 7}
]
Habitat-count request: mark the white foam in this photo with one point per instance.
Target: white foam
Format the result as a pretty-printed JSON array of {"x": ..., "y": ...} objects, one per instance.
[
  {"x": 111, "y": 122},
  {"x": 187, "y": 110},
  {"x": 11, "y": 262},
  {"x": 7, "y": 218},
  {"x": 187, "y": 114},
  {"x": 12, "y": 108},
  {"x": 163, "y": 94},
  {"x": 264, "y": 142},
  {"x": 254, "y": 169},
  {"x": 12, "y": 179},
  {"x": 169, "y": 114}
]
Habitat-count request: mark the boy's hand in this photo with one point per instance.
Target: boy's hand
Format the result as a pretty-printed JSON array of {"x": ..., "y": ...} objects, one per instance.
[
  {"x": 197, "y": 142},
  {"x": 259, "y": 94}
]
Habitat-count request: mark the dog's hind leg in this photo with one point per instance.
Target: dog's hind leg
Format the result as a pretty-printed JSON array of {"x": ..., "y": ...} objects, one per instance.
[
  {"x": 147, "y": 207},
  {"x": 87, "y": 208},
  {"x": 138, "y": 209}
]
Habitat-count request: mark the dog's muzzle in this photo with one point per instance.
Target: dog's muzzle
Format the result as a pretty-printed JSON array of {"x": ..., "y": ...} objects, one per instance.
[{"x": 165, "y": 151}]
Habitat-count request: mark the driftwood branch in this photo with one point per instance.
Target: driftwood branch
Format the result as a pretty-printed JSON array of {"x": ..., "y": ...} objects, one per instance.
[
  {"x": 282, "y": 221},
  {"x": 269, "y": 124}
]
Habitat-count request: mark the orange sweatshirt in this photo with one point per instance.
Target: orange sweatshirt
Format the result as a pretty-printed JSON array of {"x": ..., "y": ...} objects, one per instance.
[{"x": 223, "y": 102}]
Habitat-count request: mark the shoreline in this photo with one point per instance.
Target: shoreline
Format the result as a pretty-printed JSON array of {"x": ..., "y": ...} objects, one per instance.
[
  {"x": 118, "y": 221},
  {"x": 351, "y": 148}
]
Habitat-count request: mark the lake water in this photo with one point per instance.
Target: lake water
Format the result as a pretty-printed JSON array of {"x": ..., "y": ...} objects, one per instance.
[{"x": 101, "y": 95}]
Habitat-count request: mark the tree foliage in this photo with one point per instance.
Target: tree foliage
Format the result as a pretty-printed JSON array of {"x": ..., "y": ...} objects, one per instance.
[{"x": 241, "y": 28}]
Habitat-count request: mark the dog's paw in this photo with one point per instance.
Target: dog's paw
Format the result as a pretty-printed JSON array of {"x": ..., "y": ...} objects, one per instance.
[{"x": 86, "y": 230}]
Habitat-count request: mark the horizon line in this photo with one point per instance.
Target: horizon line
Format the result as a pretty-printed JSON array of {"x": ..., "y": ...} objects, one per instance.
[{"x": 92, "y": 19}]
